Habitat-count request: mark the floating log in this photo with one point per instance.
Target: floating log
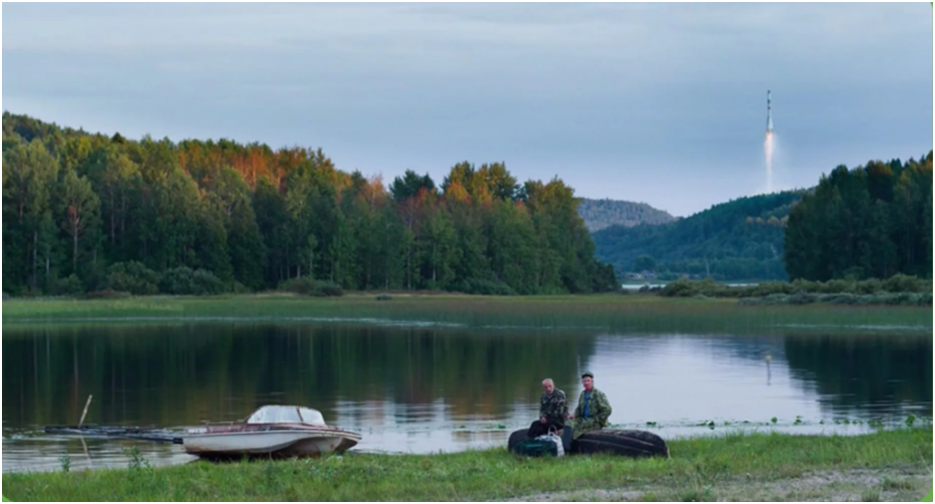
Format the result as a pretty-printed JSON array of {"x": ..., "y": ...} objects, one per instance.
[{"x": 135, "y": 433}]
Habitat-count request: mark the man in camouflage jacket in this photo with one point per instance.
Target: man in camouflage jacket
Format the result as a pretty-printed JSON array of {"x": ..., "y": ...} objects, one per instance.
[
  {"x": 593, "y": 411},
  {"x": 553, "y": 410}
]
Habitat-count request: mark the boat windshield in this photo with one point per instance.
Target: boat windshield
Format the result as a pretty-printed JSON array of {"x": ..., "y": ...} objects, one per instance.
[{"x": 286, "y": 414}]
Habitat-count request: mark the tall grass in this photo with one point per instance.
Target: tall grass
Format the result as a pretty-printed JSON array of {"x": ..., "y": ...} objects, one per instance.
[{"x": 631, "y": 313}]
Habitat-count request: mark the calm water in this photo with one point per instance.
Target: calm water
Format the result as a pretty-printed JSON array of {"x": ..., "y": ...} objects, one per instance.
[{"x": 423, "y": 390}]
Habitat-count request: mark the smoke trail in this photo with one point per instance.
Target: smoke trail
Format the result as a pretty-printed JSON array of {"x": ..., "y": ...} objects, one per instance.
[{"x": 768, "y": 149}]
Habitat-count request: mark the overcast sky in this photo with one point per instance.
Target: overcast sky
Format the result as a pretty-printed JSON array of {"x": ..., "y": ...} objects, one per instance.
[{"x": 661, "y": 103}]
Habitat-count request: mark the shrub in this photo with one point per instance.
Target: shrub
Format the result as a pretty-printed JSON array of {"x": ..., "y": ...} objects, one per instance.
[
  {"x": 302, "y": 285},
  {"x": 328, "y": 289},
  {"x": 132, "y": 277},
  {"x": 384, "y": 297},
  {"x": 869, "y": 286},
  {"x": 106, "y": 294},
  {"x": 843, "y": 298},
  {"x": 185, "y": 281},
  {"x": 767, "y": 288},
  {"x": 837, "y": 287},
  {"x": 679, "y": 288},
  {"x": 801, "y": 298},
  {"x": 880, "y": 298},
  {"x": 484, "y": 287},
  {"x": 69, "y": 286},
  {"x": 307, "y": 286},
  {"x": 902, "y": 283},
  {"x": 800, "y": 285},
  {"x": 30, "y": 292}
]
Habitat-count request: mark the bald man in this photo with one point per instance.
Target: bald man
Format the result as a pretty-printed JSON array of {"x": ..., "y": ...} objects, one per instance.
[{"x": 553, "y": 410}]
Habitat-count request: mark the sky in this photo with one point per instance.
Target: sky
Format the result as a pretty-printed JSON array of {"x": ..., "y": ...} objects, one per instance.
[{"x": 658, "y": 103}]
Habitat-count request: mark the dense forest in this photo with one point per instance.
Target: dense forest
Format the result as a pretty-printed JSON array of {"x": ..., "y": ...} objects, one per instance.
[
  {"x": 738, "y": 240},
  {"x": 874, "y": 221},
  {"x": 603, "y": 213},
  {"x": 86, "y": 212}
]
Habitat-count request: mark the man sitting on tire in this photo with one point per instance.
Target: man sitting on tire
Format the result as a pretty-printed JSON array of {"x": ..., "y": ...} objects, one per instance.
[
  {"x": 593, "y": 409},
  {"x": 553, "y": 410}
]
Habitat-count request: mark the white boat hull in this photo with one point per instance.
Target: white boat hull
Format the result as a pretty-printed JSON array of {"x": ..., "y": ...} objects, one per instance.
[{"x": 282, "y": 443}]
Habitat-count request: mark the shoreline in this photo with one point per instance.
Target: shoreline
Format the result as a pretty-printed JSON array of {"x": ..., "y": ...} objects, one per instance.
[{"x": 884, "y": 465}]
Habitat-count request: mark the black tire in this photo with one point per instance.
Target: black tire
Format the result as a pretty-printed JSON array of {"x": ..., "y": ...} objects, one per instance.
[
  {"x": 629, "y": 443},
  {"x": 516, "y": 438}
]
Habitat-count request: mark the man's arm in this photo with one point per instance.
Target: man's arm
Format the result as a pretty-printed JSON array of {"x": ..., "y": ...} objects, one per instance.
[
  {"x": 604, "y": 410},
  {"x": 579, "y": 410},
  {"x": 563, "y": 410},
  {"x": 543, "y": 406}
]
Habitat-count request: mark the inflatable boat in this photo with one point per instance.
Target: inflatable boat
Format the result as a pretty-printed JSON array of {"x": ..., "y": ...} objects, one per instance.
[{"x": 629, "y": 443}]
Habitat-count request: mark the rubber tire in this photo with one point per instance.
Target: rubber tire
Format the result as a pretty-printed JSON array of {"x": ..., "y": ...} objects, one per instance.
[{"x": 629, "y": 443}]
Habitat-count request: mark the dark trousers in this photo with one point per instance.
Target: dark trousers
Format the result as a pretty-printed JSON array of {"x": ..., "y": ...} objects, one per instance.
[{"x": 538, "y": 428}]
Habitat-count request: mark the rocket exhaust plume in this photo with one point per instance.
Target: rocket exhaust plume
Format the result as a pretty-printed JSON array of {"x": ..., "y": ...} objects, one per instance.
[{"x": 768, "y": 144}]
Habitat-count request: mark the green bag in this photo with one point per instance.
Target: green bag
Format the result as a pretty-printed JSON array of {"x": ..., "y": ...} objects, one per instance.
[{"x": 536, "y": 448}]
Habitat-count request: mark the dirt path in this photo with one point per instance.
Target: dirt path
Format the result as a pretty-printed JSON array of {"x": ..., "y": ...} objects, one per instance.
[{"x": 899, "y": 485}]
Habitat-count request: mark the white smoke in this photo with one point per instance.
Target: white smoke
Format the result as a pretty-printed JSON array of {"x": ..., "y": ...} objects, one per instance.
[{"x": 768, "y": 148}]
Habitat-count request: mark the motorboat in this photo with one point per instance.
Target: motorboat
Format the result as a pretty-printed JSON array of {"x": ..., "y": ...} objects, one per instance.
[{"x": 271, "y": 431}]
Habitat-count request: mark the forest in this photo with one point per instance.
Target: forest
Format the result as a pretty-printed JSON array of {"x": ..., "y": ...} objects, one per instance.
[
  {"x": 89, "y": 213},
  {"x": 736, "y": 240},
  {"x": 603, "y": 213},
  {"x": 873, "y": 221}
]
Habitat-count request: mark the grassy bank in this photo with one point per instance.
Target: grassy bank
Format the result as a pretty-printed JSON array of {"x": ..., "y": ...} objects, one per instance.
[
  {"x": 633, "y": 313},
  {"x": 899, "y": 290},
  {"x": 894, "y": 464}
]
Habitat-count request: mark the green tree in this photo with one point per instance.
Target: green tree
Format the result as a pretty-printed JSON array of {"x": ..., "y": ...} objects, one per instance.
[
  {"x": 512, "y": 245},
  {"x": 867, "y": 222},
  {"x": 116, "y": 181},
  {"x": 29, "y": 175},
  {"x": 441, "y": 249},
  {"x": 644, "y": 263},
  {"x": 78, "y": 215},
  {"x": 926, "y": 270}
]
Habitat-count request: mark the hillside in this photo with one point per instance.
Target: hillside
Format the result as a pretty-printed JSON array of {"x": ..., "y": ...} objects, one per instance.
[
  {"x": 603, "y": 213},
  {"x": 740, "y": 239}
]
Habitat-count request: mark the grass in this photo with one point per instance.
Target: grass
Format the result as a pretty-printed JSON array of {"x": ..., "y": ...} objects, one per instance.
[
  {"x": 632, "y": 312},
  {"x": 734, "y": 466}
]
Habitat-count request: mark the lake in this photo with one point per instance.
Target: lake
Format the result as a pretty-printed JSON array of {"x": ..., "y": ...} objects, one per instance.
[{"x": 425, "y": 389}]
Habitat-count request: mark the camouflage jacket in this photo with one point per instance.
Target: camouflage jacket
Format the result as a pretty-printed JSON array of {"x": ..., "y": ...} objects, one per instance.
[
  {"x": 598, "y": 407},
  {"x": 554, "y": 406}
]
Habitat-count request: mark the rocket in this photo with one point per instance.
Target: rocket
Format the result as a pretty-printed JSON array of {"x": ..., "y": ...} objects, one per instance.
[{"x": 769, "y": 112}]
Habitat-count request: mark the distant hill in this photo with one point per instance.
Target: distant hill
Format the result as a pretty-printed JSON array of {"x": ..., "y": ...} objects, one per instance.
[
  {"x": 603, "y": 213},
  {"x": 740, "y": 239}
]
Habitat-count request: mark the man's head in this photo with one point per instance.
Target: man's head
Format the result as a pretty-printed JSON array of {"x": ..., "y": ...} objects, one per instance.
[
  {"x": 548, "y": 385},
  {"x": 587, "y": 380}
]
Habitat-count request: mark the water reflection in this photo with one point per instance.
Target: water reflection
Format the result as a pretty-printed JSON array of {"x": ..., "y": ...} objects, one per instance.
[{"x": 423, "y": 390}]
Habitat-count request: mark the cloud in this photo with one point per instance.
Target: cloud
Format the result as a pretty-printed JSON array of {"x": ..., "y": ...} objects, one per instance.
[{"x": 600, "y": 94}]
